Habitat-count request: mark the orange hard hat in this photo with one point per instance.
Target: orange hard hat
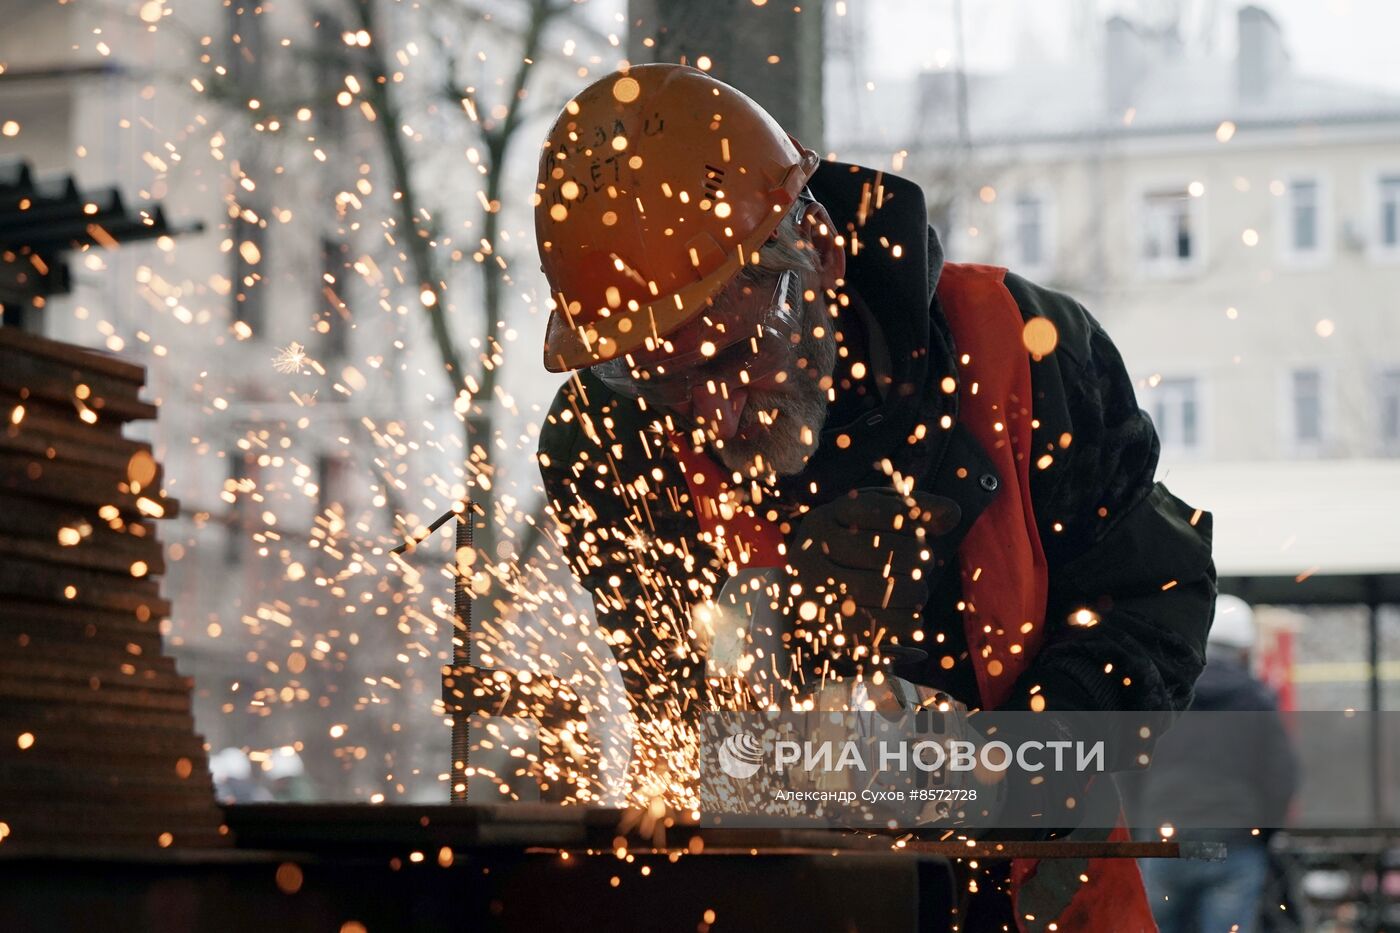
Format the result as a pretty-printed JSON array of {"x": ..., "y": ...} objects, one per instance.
[{"x": 657, "y": 184}]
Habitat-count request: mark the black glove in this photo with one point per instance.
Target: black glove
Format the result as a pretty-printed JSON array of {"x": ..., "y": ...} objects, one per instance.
[{"x": 864, "y": 565}]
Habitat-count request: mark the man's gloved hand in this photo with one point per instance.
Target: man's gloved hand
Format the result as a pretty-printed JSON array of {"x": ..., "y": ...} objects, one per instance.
[{"x": 865, "y": 564}]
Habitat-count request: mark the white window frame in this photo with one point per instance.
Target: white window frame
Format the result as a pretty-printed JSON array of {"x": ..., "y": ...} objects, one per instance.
[
  {"x": 1010, "y": 227},
  {"x": 1322, "y": 254},
  {"x": 1386, "y": 447},
  {"x": 1371, "y": 198},
  {"x": 1326, "y": 412},
  {"x": 1147, "y": 400},
  {"x": 1170, "y": 268}
]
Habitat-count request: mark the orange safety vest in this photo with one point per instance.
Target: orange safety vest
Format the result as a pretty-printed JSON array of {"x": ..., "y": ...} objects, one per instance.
[
  {"x": 1004, "y": 576},
  {"x": 1005, "y": 582}
]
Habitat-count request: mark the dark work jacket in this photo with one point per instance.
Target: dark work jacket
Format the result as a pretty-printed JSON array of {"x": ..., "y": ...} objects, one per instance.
[{"x": 1114, "y": 541}]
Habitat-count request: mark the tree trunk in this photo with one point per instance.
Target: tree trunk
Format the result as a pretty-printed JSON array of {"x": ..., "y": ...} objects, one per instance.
[{"x": 741, "y": 40}]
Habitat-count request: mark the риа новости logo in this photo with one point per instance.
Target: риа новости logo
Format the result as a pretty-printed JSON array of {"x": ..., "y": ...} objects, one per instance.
[{"x": 740, "y": 755}]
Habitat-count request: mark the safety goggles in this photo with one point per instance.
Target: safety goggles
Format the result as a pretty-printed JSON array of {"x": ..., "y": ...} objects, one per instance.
[{"x": 738, "y": 347}]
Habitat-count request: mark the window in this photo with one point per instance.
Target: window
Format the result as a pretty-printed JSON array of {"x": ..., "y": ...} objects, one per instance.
[
  {"x": 244, "y": 47},
  {"x": 1029, "y": 230},
  {"x": 1303, "y": 216},
  {"x": 331, "y": 65},
  {"x": 1303, "y": 220},
  {"x": 1175, "y": 408},
  {"x": 1390, "y": 212},
  {"x": 1169, "y": 230},
  {"x": 332, "y": 483},
  {"x": 1389, "y": 398},
  {"x": 249, "y": 251},
  {"x": 942, "y": 216},
  {"x": 240, "y": 518},
  {"x": 334, "y": 318},
  {"x": 245, "y": 41},
  {"x": 1307, "y": 407}
]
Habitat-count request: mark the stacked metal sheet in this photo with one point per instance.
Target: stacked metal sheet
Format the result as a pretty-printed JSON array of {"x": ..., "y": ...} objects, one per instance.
[{"x": 97, "y": 741}]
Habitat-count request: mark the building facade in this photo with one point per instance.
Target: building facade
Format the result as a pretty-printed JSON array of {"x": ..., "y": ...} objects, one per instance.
[{"x": 1233, "y": 224}]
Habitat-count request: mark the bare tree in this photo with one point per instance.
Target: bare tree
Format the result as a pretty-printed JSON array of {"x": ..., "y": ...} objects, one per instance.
[
  {"x": 363, "y": 99},
  {"x": 497, "y": 126},
  {"x": 491, "y": 113}
]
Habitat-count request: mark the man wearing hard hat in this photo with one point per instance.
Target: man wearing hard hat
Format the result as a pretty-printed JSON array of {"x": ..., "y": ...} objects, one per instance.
[{"x": 929, "y": 470}]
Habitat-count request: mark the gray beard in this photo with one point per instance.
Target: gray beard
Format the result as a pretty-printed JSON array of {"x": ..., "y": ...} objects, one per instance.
[{"x": 778, "y": 447}]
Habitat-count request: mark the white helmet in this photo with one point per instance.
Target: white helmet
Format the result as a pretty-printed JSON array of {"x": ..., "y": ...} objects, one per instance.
[
  {"x": 230, "y": 764},
  {"x": 284, "y": 762},
  {"x": 1234, "y": 624}
]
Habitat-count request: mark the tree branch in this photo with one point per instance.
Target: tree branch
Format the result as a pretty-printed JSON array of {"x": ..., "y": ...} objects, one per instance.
[{"x": 418, "y": 247}]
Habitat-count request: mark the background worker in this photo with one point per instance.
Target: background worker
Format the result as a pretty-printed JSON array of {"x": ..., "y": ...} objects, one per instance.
[{"x": 1243, "y": 767}]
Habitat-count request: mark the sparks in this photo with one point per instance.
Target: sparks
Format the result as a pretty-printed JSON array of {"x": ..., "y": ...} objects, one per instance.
[{"x": 290, "y": 359}]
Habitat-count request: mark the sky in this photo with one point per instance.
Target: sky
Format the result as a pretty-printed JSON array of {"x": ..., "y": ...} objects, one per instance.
[{"x": 1352, "y": 40}]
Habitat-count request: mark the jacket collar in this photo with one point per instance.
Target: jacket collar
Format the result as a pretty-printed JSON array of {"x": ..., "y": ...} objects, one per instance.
[
  {"x": 893, "y": 257},
  {"x": 893, "y": 262}
]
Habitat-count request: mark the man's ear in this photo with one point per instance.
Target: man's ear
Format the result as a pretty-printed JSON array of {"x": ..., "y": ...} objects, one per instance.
[{"x": 819, "y": 230}]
